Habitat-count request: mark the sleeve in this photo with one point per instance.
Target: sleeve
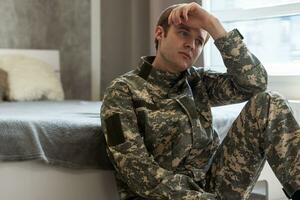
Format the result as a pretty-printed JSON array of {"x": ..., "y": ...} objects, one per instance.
[
  {"x": 245, "y": 74},
  {"x": 131, "y": 160}
]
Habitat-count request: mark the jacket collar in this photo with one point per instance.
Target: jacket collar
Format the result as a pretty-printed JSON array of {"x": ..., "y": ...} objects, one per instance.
[{"x": 165, "y": 80}]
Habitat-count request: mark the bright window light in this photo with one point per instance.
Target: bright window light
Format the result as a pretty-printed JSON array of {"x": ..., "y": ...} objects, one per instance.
[
  {"x": 270, "y": 28},
  {"x": 218, "y": 5}
]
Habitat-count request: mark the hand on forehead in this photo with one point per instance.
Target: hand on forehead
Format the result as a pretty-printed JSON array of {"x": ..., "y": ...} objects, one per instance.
[
  {"x": 179, "y": 14},
  {"x": 191, "y": 14}
]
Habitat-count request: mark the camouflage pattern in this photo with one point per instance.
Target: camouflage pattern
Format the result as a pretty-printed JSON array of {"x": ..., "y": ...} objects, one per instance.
[
  {"x": 161, "y": 141},
  {"x": 264, "y": 130}
]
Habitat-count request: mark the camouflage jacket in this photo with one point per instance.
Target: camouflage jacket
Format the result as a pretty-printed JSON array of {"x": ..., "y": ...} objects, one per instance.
[{"x": 158, "y": 125}]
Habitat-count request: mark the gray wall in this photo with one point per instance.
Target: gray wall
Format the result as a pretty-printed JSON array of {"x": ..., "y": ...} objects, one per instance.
[
  {"x": 124, "y": 37},
  {"x": 53, "y": 24}
]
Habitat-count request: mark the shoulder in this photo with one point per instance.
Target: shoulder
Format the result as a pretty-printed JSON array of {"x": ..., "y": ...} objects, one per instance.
[
  {"x": 122, "y": 81},
  {"x": 125, "y": 84},
  {"x": 117, "y": 96}
]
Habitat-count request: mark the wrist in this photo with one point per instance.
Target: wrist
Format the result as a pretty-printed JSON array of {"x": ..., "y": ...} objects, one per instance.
[{"x": 215, "y": 28}]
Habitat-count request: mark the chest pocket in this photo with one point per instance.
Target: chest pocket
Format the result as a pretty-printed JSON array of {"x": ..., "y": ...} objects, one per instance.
[
  {"x": 158, "y": 123},
  {"x": 141, "y": 109},
  {"x": 149, "y": 121}
]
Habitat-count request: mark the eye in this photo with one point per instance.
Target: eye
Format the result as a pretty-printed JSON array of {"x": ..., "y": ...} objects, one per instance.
[
  {"x": 198, "y": 42},
  {"x": 184, "y": 33}
]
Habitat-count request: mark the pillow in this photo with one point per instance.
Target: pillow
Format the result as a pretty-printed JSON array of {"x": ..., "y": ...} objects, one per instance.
[
  {"x": 3, "y": 85},
  {"x": 30, "y": 79}
]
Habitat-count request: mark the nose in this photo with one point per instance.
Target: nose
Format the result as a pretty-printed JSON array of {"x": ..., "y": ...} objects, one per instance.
[{"x": 191, "y": 44}]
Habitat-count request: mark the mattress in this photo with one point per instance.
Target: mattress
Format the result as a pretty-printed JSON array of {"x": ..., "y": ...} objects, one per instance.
[
  {"x": 55, "y": 151},
  {"x": 64, "y": 133}
]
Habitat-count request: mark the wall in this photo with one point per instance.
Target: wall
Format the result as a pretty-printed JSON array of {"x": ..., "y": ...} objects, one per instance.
[
  {"x": 124, "y": 37},
  {"x": 53, "y": 24}
]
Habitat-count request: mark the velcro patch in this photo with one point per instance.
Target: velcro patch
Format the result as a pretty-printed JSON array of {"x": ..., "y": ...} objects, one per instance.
[
  {"x": 115, "y": 133},
  {"x": 141, "y": 103}
]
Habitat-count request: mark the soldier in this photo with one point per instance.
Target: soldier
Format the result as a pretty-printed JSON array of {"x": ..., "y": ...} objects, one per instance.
[{"x": 158, "y": 124}]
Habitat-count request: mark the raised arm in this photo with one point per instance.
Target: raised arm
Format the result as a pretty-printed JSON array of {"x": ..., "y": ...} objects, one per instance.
[{"x": 245, "y": 75}]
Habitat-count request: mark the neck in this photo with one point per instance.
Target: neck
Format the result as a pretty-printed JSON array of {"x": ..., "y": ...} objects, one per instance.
[{"x": 159, "y": 63}]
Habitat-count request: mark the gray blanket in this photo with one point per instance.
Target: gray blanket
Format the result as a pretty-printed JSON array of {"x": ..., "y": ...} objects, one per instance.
[{"x": 62, "y": 133}]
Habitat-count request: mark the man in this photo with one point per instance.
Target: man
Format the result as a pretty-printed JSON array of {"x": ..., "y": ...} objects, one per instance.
[{"x": 158, "y": 125}]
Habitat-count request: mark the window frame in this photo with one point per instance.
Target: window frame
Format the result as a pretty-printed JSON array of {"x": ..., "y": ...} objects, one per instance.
[{"x": 288, "y": 85}]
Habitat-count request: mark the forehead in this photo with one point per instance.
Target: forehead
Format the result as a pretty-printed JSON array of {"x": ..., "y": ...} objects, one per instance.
[{"x": 195, "y": 30}]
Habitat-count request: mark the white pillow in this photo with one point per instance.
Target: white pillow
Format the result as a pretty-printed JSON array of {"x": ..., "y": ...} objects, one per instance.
[{"x": 30, "y": 79}]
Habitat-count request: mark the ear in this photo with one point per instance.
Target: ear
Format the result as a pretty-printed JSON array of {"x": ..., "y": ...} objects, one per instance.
[{"x": 159, "y": 33}]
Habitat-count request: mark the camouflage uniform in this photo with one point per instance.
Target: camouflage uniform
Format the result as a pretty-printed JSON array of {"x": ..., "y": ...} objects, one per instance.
[{"x": 161, "y": 140}]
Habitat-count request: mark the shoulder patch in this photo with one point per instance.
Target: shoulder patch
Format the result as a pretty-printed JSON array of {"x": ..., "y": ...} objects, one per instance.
[{"x": 115, "y": 133}]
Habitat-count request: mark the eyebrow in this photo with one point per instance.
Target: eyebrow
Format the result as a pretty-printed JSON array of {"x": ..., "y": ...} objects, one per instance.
[{"x": 187, "y": 28}]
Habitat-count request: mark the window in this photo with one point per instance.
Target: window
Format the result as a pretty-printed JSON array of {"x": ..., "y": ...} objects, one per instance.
[
  {"x": 217, "y": 5},
  {"x": 271, "y": 31}
]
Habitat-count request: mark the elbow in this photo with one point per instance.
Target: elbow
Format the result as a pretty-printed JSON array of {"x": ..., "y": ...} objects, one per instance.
[
  {"x": 260, "y": 86},
  {"x": 263, "y": 82},
  {"x": 260, "y": 80}
]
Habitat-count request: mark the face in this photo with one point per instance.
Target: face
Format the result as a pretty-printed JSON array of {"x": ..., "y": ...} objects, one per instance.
[{"x": 178, "y": 48}]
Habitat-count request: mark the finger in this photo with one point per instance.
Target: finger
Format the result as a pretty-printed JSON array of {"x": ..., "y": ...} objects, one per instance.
[
  {"x": 172, "y": 18},
  {"x": 176, "y": 16},
  {"x": 185, "y": 14},
  {"x": 181, "y": 13},
  {"x": 192, "y": 7}
]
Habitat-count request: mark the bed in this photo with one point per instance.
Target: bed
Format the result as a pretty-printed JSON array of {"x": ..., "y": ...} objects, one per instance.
[
  {"x": 54, "y": 149},
  {"x": 50, "y": 148},
  {"x": 61, "y": 149}
]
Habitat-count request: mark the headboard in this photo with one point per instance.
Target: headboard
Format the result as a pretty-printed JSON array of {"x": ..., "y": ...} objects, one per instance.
[{"x": 50, "y": 57}]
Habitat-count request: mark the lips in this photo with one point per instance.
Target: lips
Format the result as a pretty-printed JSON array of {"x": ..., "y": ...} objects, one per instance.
[{"x": 186, "y": 55}]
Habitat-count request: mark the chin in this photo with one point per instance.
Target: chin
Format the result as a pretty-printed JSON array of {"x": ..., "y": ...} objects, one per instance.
[
  {"x": 186, "y": 66},
  {"x": 182, "y": 66}
]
